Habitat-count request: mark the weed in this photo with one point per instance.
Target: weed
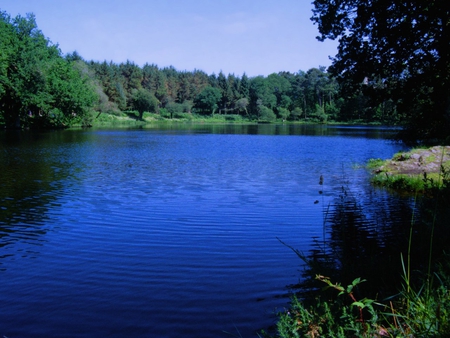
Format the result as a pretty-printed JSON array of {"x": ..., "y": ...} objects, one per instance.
[
  {"x": 374, "y": 163},
  {"x": 420, "y": 309},
  {"x": 344, "y": 316},
  {"x": 401, "y": 156}
]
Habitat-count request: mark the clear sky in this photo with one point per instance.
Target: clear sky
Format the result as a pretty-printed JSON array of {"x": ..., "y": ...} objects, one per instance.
[{"x": 258, "y": 37}]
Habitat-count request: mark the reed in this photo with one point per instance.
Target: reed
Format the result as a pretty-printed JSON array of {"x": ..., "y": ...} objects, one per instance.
[{"x": 417, "y": 310}]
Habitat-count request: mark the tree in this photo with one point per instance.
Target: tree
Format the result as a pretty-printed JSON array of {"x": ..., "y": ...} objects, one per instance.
[
  {"x": 394, "y": 50},
  {"x": 283, "y": 113},
  {"x": 132, "y": 75},
  {"x": 226, "y": 92},
  {"x": 266, "y": 114},
  {"x": 208, "y": 99},
  {"x": 155, "y": 81},
  {"x": 279, "y": 86},
  {"x": 144, "y": 101},
  {"x": 38, "y": 87},
  {"x": 261, "y": 95},
  {"x": 244, "y": 87},
  {"x": 174, "y": 108},
  {"x": 241, "y": 105},
  {"x": 316, "y": 80},
  {"x": 25, "y": 52},
  {"x": 296, "y": 114},
  {"x": 70, "y": 94}
]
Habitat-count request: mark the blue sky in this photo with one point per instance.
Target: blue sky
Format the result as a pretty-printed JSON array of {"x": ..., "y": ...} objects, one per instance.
[{"x": 258, "y": 37}]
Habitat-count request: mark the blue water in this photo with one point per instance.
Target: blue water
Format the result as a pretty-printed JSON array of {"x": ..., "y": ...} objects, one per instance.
[{"x": 166, "y": 232}]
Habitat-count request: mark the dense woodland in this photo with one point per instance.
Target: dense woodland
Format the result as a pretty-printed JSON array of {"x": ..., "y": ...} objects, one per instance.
[
  {"x": 392, "y": 67},
  {"x": 302, "y": 96},
  {"x": 40, "y": 87}
]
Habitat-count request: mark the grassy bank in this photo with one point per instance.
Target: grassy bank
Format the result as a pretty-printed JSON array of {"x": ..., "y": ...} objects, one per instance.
[
  {"x": 414, "y": 171},
  {"x": 130, "y": 119}
]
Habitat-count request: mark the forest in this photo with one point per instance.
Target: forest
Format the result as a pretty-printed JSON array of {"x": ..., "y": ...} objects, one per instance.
[{"x": 42, "y": 88}]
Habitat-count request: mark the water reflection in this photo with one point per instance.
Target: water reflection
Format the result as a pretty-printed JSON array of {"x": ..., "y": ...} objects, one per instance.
[
  {"x": 367, "y": 236},
  {"x": 35, "y": 170},
  {"x": 279, "y": 129}
]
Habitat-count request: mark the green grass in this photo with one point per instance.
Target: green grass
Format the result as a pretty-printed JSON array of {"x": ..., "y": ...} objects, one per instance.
[
  {"x": 374, "y": 163},
  {"x": 389, "y": 175},
  {"x": 401, "y": 156},
  {"x": 406, "y": 183},
  {"x": 125, "y": 119}
]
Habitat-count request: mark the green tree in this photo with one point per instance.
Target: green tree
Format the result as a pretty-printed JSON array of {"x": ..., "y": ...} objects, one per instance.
[
  {"x": 395, "y": 50},
  {"x": 38, "y": 86},
  {"x": 296, "y": 114},
  {"x": 198, "y": 81},
  {"x": 132, "y": 78},
  {"x": 279, "y": 86},
  {"x": 266, "y": 114},
  {"x": 173, "y": 108},
  {"x": 212, "y": 80},
  {"x": 244, "y": 88},
  {"x": 172, "y": 83},
  {"x": 226, "y": 91},
  {"x": 261, "y": 95},
  {"x": 298, "y": 92},
  {"x": 241, "y": 105},
  {"x": 155, "y": 81},
  {"x": 112, "y": 82},
  {"x": 71, "y": 94},
  {"x": 184, "y": 86},
  {"x": 25, "y": 53},
  {"x": 316, "y": 80},
  {"x": 283, "y": 113},
  {"x": 208, "y": 100},
  {"x": 144, "y": 101}
]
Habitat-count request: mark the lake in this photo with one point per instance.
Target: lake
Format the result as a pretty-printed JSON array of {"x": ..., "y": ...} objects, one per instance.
[{"x": 169, "y": 231}]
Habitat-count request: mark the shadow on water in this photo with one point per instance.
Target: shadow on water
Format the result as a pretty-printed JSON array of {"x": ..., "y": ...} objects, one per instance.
[
  {"x": 32, "y": 172},
  {"x": 369, "y": 239},
  {"x": 276, "y": 129}
]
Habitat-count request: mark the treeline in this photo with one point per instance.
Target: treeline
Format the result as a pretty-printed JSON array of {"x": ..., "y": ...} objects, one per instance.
[
  {"x": 39, "y": 87},
  {"x": 303, "y": 96}
]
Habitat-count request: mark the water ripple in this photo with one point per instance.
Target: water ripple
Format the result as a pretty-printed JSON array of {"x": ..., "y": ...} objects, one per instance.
[{"x": 142, "y": 233}]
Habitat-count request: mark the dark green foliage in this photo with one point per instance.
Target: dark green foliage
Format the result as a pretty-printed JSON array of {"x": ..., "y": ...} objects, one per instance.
[
  {"x": 266, "y": 114},
  {"x": 144, "y": 101},
  {"x": 394, "y": 51},
  {"x": 38, "y": 87},
  {"x": 296, "y": 113},
  {"x": 244, "y": 86},
  {"x": 174, "y": 108},
  {"x": 241, "y": 105},
  {"x": 155, "y": 81},
  {"x": 312, "y": 96},
  {"x": 208, "y": 100},
  {"x": 283, "y": 113}
]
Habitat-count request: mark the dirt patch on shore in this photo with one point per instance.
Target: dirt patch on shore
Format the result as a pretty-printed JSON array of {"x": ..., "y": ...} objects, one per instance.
[{"x": 417, "y": 162}]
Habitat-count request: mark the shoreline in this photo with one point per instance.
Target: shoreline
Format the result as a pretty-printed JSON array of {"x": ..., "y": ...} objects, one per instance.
[{"x": 414, "y": 170}]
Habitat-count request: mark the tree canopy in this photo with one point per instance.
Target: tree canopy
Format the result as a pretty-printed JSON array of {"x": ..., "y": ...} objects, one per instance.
[
  {"x": 144, "y": 101},
  {"x": 373, "y": 79},
  {"x": 38, "y": 87},
  {"x": 394, "y": 50},
  {"x": 208, "y": 99}
]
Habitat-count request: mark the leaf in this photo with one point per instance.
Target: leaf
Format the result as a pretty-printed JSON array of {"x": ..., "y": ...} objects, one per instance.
[{"x": 358, "y": 304}]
